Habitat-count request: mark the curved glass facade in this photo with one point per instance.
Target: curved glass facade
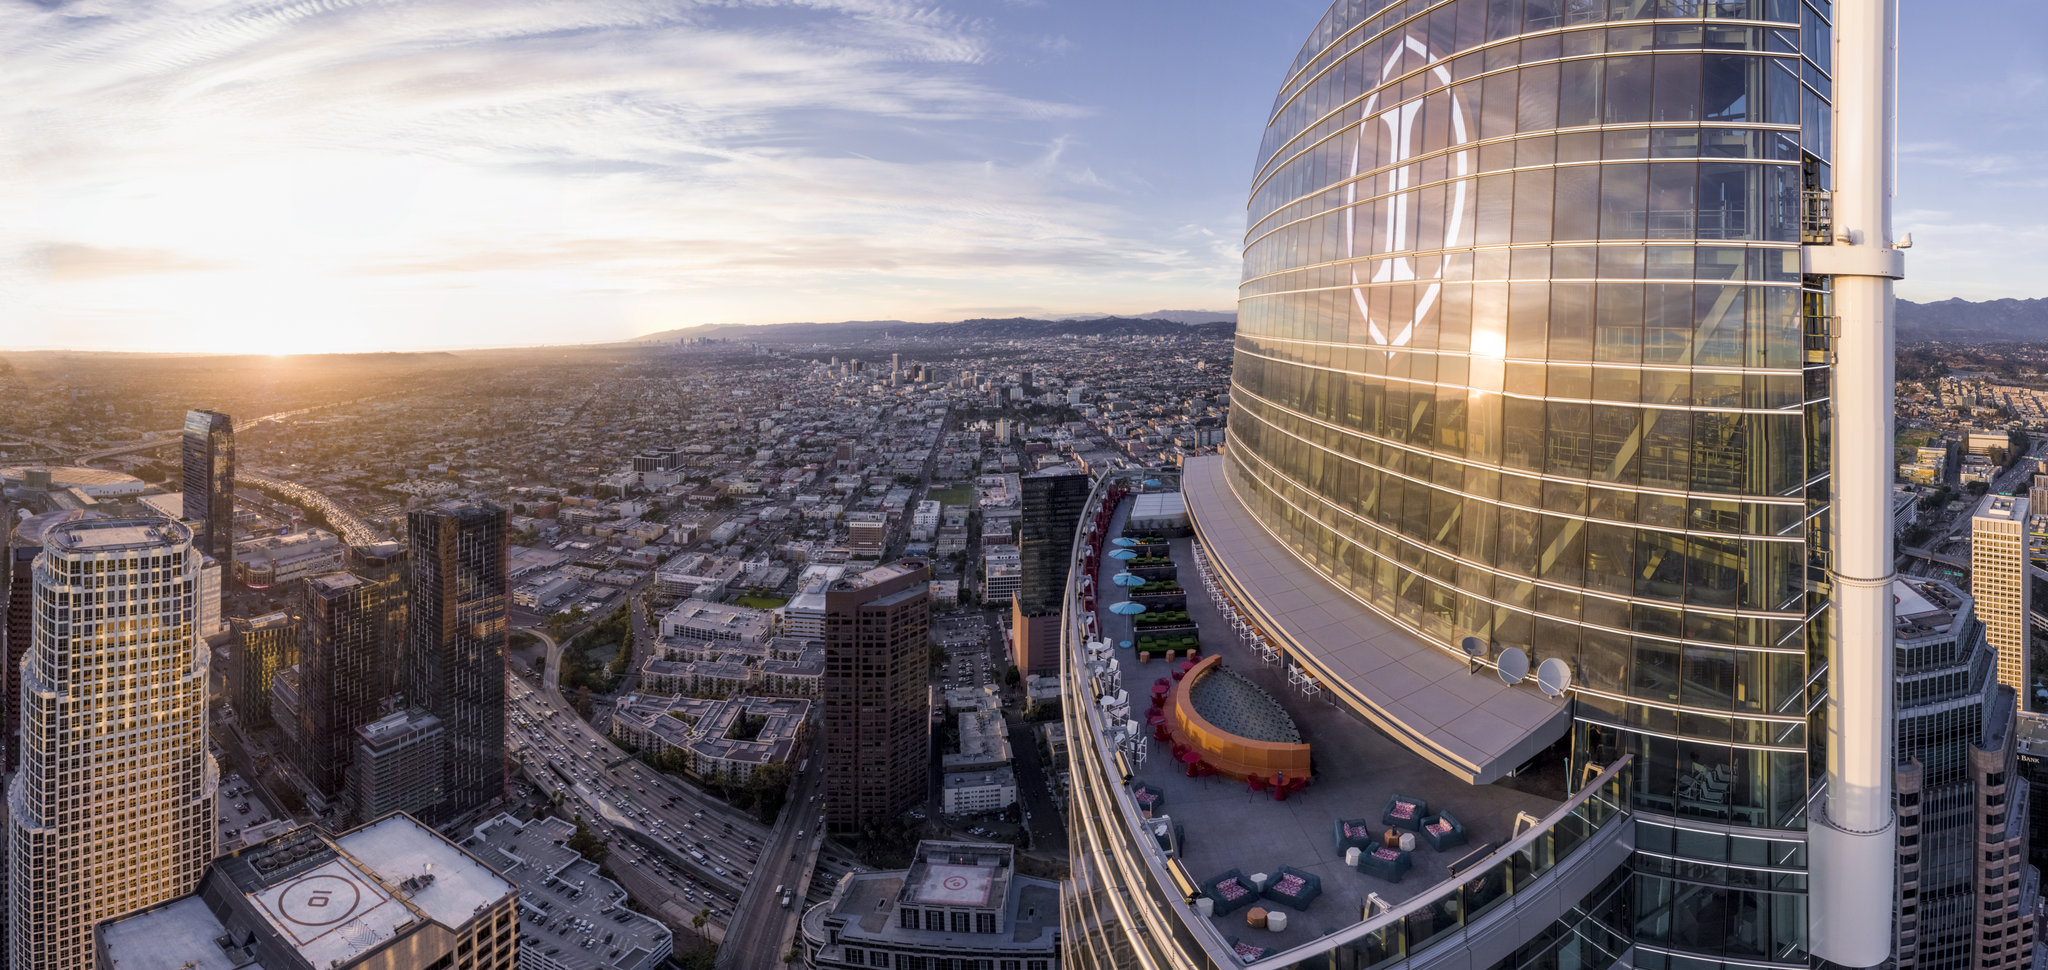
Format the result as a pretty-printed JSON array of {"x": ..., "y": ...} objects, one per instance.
[{"x": 1524, "y": 354}]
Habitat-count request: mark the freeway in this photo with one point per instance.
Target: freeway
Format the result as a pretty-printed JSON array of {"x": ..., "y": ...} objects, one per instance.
[
  {"x": 353, "y": 529},
  {"x": 759, "y": 941}
]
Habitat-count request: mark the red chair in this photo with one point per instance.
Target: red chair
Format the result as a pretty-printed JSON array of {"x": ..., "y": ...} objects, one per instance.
[{"x": 1254, "y": 783}]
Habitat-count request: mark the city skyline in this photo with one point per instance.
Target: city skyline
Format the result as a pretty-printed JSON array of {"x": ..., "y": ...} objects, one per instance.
[{"x": 420, "y": 175}]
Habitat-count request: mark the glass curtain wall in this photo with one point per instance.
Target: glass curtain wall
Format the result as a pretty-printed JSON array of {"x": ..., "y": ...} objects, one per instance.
[{"x": 1524, "y": 354}]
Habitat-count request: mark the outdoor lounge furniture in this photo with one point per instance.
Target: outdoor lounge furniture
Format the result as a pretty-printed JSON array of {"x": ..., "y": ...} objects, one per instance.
[
  {"x": 1294, "y": 888},
  {"x": 1406, "y": 812},
  {"x": 1245, "y": 951},
  {"x": 1388, "y": 864},
  {"x": 1147, "y": 796},
  {"x": 1353, "y": 832},
  {"x": 1231, "y": 891},
  {"x": 1443, "y": 831}
]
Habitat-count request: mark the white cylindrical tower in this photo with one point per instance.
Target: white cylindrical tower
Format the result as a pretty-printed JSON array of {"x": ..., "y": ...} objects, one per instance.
[
  {"x": 1853, "y": 842},
  {"x": 113, "y": 808}
]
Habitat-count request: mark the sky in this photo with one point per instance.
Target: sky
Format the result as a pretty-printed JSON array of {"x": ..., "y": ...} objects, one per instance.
[{"x": 342, "y": 175}]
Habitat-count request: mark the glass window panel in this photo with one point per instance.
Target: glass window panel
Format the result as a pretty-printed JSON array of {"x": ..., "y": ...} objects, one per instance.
[
  {"x": 1534, "y": 191},
  {"x": 1628, "y": 91},
  {"x": 1571, "y": 323},
  {"x": 1784, "y": 93},
  {"x": 1538, "y": 99},
  {"x": 1673, "y": 204},
  {"x": 1577, "y": 211},
  {"x": 1678, "y": 88},
  {"x": 1727, "y": 81},
  {"x": 1624, "y": 191}
]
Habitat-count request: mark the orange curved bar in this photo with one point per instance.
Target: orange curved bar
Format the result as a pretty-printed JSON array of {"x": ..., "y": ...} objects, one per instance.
[{"x": 1231, "y": 755}]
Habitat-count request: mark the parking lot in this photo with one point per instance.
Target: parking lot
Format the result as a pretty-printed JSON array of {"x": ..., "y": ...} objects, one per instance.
[
  {"x": 239, "y": 810},
  {"x": 973, "y": 658}
]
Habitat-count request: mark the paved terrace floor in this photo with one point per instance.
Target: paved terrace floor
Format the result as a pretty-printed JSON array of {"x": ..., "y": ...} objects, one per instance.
[{"x": 1356, "y": 770}]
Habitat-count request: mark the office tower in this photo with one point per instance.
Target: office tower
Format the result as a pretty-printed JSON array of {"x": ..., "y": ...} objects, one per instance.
[
  {"x": 343, "y": 674},
  {"x": 895, "y": 369},
  {"x": 113, "y": 809},
  {"x": 1960, "y": 794},
  {"x": 383, "y": 566},
  {"x": 1561, "y": 405},
  {"x": 2037, "y": 494},
  {"x": 455, "y": 660},
  {"x": 391, "y": 895},
  {"x": 1051, "y": 510},
  {"x": 262, "y": 646},
  {"x": 877, "y": 709},
  {"x": 1999, "y": 583},
  {"x": 24, "y": 543},
  {"x": 209, "y": 479},
  {"x": 397, "y": 765}
]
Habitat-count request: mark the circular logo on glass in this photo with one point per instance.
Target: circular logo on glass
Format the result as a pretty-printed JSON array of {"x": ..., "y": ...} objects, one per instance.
[{"x": 1400, "y": 141}]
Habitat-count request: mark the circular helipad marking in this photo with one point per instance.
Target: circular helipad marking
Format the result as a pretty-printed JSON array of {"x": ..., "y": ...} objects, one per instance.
[
  {"x": 319, "y": 900},
  {"x": 955, "y": 883}
]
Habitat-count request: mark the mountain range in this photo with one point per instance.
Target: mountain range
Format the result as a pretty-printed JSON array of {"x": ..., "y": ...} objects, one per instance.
[
  {"x": 1991, "y": 320},
  {"x": 1204, "y": 323}
]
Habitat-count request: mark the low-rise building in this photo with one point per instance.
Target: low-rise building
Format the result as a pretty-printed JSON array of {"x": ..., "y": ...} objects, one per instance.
[
  {"x": 276, "y": 560},
  {"x": 391, "y": 895},
  {"x": 571, "y": 916},
  {"x": 704, "y": 621},
  {"x": 959, "y": 904},
  {"x": 706, "y": 736},
  {"x": 974, "y": 792},
  {"x": 1002, "y": 568}
]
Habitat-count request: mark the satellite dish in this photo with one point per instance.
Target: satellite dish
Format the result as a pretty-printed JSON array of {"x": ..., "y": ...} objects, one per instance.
[
  {"x": 1553, "y": 676},
  {"x": 1514, "y": 665},
  {"x": 1474, "y": 647}
]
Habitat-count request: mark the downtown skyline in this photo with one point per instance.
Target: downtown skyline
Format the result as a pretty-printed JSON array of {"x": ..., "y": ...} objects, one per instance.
[{"x": 345, "y": 177}]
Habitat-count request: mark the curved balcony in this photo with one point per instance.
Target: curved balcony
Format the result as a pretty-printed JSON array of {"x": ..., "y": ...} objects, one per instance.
[{"x": 1135, "y": 900}]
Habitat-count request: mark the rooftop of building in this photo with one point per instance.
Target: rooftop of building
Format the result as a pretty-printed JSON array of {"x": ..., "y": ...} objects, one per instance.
[
  {"x": 878, "y": 575},
  {"x": 115, "y": 535},
  {"x": 323, "y": 899},
  {"x": 31, "y": 529},
  {"x": 287, "y": 545},
  {"x": 1924, "y": 606},
  {"x": 70, "y": 476},
  {"x": 268, "y": 621},
  {"x": 397, "y": 726},
  {"x": 953, "y": 875},
  {"x": 565, "y": 901},
  {"x": 2003, "y": 507},
  {"x": 1359, "y": 766},
  {"x": 332, "y": 583}
]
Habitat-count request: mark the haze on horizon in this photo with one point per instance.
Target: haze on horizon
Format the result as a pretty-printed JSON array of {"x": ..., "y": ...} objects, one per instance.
[{"x": 340, "y": 175}]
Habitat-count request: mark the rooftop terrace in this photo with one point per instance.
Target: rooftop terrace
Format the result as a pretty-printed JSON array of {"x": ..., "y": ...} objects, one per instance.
[{"x": 1223, "y": 825}]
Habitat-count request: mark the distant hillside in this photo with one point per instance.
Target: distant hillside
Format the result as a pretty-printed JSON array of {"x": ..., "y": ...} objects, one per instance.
[
  {"x": 1991, "y": 320},
  {"x": 1016, "y": 328}
]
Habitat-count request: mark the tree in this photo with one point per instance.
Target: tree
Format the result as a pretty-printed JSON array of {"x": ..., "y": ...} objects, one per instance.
[
  {"x": 1011, "y": 675},
  {"x": 703, "y": 916},
  {"x": 937, "y": 656},
  {"x": 582, "y": 702},
  {"x": 588, "y": 844}
]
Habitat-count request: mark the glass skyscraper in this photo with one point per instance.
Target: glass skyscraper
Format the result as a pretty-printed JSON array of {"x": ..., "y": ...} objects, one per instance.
[
  {"x": 460, "y": 612},
  {"x": 1550, "y": 312},
  {"x": 209, "y": 480}
]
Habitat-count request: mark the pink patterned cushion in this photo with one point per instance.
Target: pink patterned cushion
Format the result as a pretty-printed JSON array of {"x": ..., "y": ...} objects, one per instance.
[
  {"x": 1438, "y": 827},
  {"x": 1357, "y": 832},
  {"x": 1231, "y": 889},
  {"x": 1248, "y": 952},
  {"x": 1383, "y": 852},
  {"x": 1403, "y": 810},
  {"x": 1289, "y": 885}
]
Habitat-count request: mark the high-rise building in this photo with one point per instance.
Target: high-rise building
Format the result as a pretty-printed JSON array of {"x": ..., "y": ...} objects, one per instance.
[
  {"x": 113, "y": 809},
  {"x": 1560, "y": 436},
  {"x": 1999, "y": 583},
  {"x": 391, "y": 895},
  {"x": 877, "y": 707},
  {"x": 962, "y": 902},
  {"x": 22, "y": 546},
  {"x": 397, "y": 765},
  {"x": 209, "y": 478},
  {"x": 1051, "y": 508},
  {"x": 262, "y": 647},
  {"x": 1960, "y": 795},
  {"x": 459, "y": 617},
  {"x": 383, "y": 566},
  {"x": 343, "y": 675}
]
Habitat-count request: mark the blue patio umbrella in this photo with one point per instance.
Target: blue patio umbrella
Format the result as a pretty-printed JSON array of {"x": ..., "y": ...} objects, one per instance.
[
  {"x": 1128, "y": 609},
  {"x": 1124, "y": 541},
  {"x": 1122, "y": 554},
  {"x": 1126, "y": 644},
  {"x": 1152, "y": 483},
  {"x": 1127, "y": 579}
]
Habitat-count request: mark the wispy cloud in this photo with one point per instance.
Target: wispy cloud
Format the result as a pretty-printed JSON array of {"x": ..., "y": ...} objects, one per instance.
[{"x": 673, "y": 162}]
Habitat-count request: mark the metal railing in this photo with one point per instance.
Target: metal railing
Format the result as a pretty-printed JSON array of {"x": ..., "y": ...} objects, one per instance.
[{"x": 1816, "y": 217}]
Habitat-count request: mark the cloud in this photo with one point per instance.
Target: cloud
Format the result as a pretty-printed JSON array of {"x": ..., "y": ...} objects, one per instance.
[
  {"x": 72, "y": 263},
  {"x": 325, "y": 154}
]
